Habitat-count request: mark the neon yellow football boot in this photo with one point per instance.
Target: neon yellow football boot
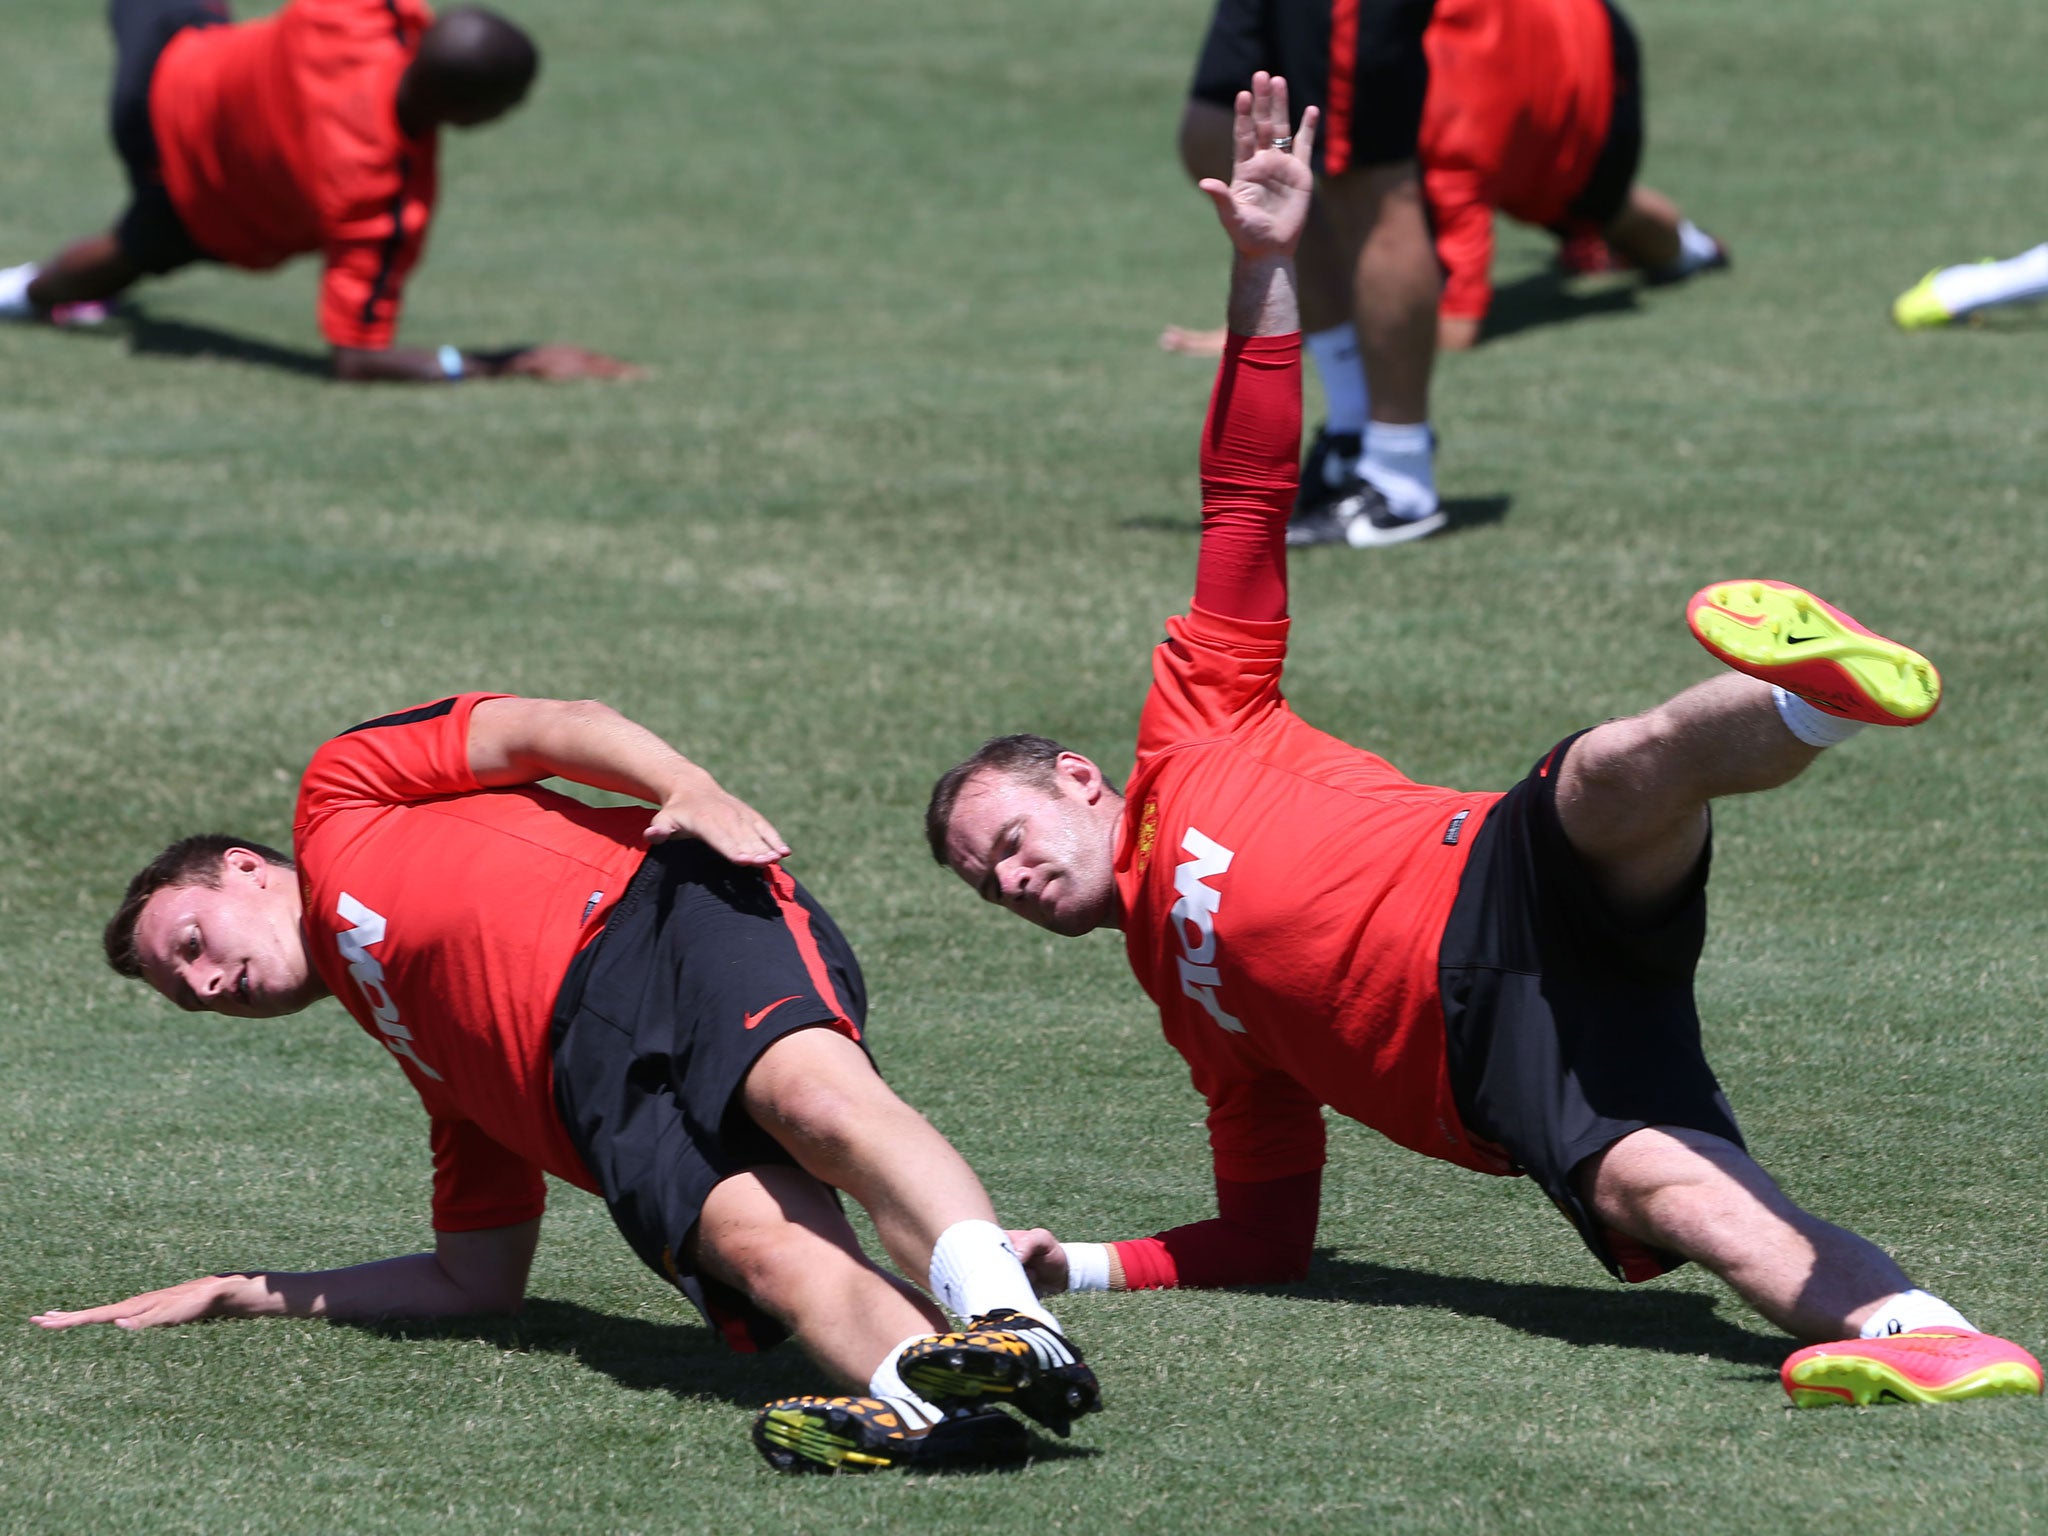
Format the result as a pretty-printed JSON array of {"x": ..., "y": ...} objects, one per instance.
[{"x": 1917, "y": 309}]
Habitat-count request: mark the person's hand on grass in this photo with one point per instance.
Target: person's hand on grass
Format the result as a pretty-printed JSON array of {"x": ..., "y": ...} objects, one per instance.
[
  {"x": 557, "y": 363},
  {"x": 186, "y": 1303}
]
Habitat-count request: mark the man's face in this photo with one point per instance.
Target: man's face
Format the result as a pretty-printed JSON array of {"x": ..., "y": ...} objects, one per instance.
[
  {"x": 234, "y": 948},
  {"x": 1049, "y": 855}
]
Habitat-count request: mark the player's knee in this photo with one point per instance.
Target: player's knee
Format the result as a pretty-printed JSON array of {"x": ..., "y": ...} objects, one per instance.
[
  {"x": 813, "y": 1116},
  {"x": 773, "y": 1264},
  {"x": 1626, "y": 780}
]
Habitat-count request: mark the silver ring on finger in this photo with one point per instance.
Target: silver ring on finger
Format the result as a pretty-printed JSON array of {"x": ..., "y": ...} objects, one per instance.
[{"x": 1285, "y": 141}]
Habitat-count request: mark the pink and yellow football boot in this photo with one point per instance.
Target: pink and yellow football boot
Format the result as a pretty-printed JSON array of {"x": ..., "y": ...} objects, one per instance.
[
  {"x": 1927, "y": 1365},
  {"x": 1785, "y": 635}
]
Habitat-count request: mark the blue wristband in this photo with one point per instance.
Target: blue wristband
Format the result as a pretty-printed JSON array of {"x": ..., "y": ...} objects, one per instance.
[{"x": 451, "y": 363}]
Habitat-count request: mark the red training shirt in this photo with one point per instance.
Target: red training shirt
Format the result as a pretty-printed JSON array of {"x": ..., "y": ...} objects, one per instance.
[
  {"x": 280, "y": 137},
  {"x": 1284, "y": 896},
  {"x": 444, "y": 916},
  {"x": 1520, "y": 94}
]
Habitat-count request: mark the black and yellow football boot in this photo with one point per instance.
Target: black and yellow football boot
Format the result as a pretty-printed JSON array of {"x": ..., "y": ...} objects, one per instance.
[
  {"x": 871, "y": 1434},
  {"x": 1005, "y": 1357}
]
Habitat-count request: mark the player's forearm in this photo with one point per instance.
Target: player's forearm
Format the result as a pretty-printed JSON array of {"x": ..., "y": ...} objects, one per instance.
[
  {"x": 416, "y": 365},
  {"x": 1264, "y": 1234},
  {"x": 1249, "y": 478},
  {"x": 415, "y": 1285},
  {"x": 1263, "y": 299},
  {"x": 521, "y": 741}
]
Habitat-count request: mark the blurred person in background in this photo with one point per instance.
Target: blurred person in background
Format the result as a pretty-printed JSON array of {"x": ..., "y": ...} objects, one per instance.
[{"x": 313, "y": 131}]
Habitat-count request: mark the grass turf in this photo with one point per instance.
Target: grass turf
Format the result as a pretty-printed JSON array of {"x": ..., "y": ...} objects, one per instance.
[{"x": 909, "y": 472}]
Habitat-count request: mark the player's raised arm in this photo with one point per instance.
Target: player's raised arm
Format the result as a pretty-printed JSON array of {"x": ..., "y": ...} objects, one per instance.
[
  {"x": 1253, "y": 433},
  {"x": 521, "y": 741}
]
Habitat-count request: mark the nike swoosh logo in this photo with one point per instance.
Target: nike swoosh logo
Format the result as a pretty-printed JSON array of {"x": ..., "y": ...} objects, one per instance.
[
  {"x": 751, "y": 1019},
  {"x": 1802, "y": 639}
]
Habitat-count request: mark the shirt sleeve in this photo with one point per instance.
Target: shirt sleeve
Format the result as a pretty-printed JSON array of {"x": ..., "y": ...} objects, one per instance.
[
  {"x": 415, "y": 754},
  {"x": 478, "y": 1184},
  {"x": 1249, "y": 476},
  {"x": 1211, "y": 677},
  {"x": 1263, "y": 1233},
  {"x": 1261, "y": 1127},
  {"x": 368, "y": 261},
  {"x": 1463, "y": 222}
]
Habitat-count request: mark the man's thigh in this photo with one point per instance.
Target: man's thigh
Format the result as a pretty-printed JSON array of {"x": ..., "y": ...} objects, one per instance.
[{"x": 701, "y": 968}]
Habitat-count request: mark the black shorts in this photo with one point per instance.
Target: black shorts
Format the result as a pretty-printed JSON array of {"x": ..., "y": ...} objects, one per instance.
[
  {"x": 1361, "y": 61},
  {"x": 701, "y": 967},
  {"x": 150, "y": 232},
  {"x": 1566, "y": 1026},
  {"x": 1606, "y": 190}
]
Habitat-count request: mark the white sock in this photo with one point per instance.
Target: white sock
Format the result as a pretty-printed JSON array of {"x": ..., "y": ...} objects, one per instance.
[
  {"x": 1342, "y": 372},
  {"x": 1815, "y": 727},
  {"x": 975, "y": 1270},
  {"x": 1983, "y": 284},
  {"x": 14, "y": 281},
  {"x": 1401, "y": 462},
  {"x": 1913, "y": 1309},
  {"x": 1695, "y": 246}
]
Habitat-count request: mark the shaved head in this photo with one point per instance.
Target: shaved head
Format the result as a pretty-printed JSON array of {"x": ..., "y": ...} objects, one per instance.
[{"x": 472, "y": 66}]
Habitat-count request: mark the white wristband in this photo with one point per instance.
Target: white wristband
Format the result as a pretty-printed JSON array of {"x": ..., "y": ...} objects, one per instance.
[
  {"x": 1087, "y": 1266},
  {"x": 451, "y": 363}
]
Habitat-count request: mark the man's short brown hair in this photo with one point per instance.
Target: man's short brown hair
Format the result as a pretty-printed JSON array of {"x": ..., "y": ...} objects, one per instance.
[
  {"x": 1032, "y": 760},
  {"x": 189, "y": 861}
]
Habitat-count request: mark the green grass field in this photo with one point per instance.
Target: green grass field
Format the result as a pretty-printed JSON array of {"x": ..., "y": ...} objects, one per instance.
[{"x": 910, "y": 472}]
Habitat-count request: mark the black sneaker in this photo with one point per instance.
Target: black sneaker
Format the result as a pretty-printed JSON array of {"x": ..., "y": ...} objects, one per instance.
[
  {"x": 869, "y": 1434},
  {"x": 1316, "y": 488},
  {"x": 1361, "y": 518},
  {"x": 1005, "y": 1356}
]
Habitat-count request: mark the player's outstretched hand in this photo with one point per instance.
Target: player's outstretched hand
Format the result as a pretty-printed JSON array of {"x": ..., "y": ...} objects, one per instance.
[
  {"x": 556, "y": 363},
  {"x": 1044, "y": 1260},
  {"x": 186, "y": 1303},
  {"x": 1266, "y": 203},
  {"x": 730, "y": 825}
]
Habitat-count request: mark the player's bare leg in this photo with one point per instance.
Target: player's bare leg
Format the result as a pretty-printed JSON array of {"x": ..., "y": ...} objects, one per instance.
[
  {"x": 1378, "y": 211},
  {"x": 1705, "y": 1198},
  {"x": 1654, "y": 234},
  {"x": 1646, "y": 229},
  {"x": 777, "y": 1236},
  {"x": 817, "y": 1094},
  {"x": 1633, "y": 793},
  {"x": 85, "y": 271}
]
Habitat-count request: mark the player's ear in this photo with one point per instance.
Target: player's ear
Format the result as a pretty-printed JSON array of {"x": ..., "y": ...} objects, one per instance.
[
  {"x": 1082, "y": 773},
  {"x": 246, "y": 863}
]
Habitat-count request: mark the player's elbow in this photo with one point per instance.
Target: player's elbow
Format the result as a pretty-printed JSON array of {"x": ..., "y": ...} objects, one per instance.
[
  {"x": 1272, "y": 1265},
  {"x": 1292, "y": 1267},
  {"x": 501, "y": 1299}
]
